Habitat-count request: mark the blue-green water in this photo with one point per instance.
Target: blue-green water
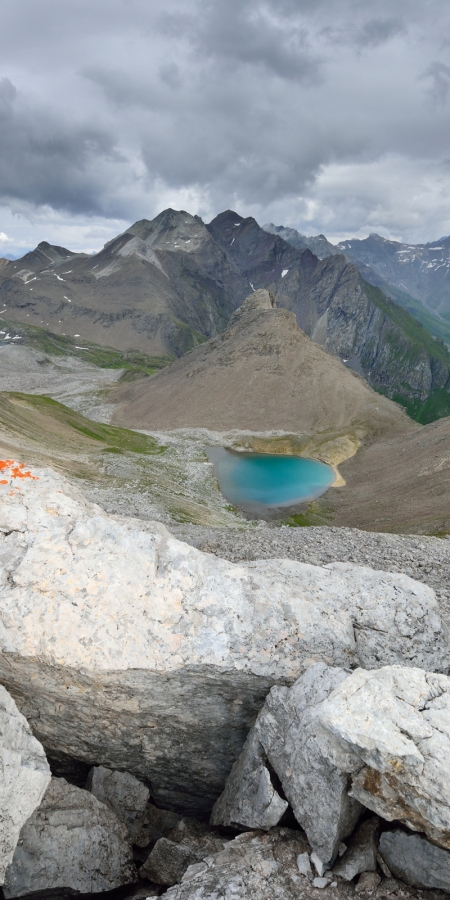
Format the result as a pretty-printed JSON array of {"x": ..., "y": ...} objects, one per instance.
[{"x": 256, "y": 480}]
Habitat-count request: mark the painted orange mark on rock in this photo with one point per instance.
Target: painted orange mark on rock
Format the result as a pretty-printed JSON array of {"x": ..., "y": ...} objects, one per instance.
[
  {"x": 15, "y": 470},
  {"x": 4, "y": 481}
]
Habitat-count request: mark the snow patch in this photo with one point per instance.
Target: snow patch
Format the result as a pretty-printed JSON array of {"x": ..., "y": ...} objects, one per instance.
[{"x": 284, "y": 272}]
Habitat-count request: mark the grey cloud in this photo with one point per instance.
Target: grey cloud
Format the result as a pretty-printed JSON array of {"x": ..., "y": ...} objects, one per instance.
[
  {"x": 378, "y": 31},
  {"x": 170, "y": 74},
  {"x": 247, "y": 104},
  {"x": 248, "y": 34},
  {"x": 439, "y": 75},
  {"x": 46, "y": 160}
]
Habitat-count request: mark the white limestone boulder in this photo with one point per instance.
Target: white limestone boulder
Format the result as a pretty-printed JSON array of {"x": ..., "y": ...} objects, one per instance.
[
  {"x": 71, "y": 841},
  {"x": 284, "y": 739},
  {"x": 390, "y": 731},
  {"x": 24, "y": 776},
  {"x": 126, "y": 648}
]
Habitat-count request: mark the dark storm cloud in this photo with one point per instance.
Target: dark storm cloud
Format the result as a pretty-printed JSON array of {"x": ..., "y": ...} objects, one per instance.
[
  {"x": 47, "y": 159},
  {"x": 314, "y": 111}
]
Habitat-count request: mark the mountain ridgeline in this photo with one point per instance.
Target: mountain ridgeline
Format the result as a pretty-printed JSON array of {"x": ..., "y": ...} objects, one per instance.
[{"x": 165, "y": 286}]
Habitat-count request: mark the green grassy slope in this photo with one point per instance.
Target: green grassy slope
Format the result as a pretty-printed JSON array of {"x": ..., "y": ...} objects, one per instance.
[
  {"x": 104, "y": 357},
  {"x": 434, "y": 324}
]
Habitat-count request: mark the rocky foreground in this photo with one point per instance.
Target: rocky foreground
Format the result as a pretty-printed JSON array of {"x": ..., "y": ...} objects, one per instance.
[{"x": 149, "y": 688}]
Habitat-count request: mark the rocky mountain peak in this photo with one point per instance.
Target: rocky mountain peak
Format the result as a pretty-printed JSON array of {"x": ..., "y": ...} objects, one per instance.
[
  {"x": 259, "y": 300},
  {"x": 170, "y": 230}
]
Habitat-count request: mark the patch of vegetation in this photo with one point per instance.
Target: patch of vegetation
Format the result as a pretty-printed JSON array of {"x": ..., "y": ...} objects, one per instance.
[
  {"x": 431, "y": 322},
  {"x": 318, "y": 512},
  {"x": 436, "y": 406},
  {"x": 414, "y": 331},
  {"x": 185, "y": 338},
  {"x": 117, "y": 440},
  {"x": 103, "y": 357}
]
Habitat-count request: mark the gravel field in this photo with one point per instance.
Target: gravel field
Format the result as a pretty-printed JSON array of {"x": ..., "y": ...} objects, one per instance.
[{"x": 426, "y": 559}]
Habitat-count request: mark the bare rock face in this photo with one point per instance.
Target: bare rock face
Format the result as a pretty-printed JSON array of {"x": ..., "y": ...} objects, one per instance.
[
  {"x": 415, "y": 860},
  {"x": 24, "y": 776},
  {"x": 71, "y": 841},
  {"x": 126, "y": 648},
  {"x": 253, "y": 865},
  {"x": 123, "y": 793},
  {"x": 390, "y": 730},
  {"x": 284, "y": 738}
]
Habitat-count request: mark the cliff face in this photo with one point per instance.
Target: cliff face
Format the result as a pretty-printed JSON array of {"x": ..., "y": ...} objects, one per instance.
[{"x": 346, "y": 315}]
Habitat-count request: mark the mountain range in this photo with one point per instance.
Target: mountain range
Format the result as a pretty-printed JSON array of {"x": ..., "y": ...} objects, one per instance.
[
  {"x": 416, "y": 276},
  {"x": 166, "y": 285}
]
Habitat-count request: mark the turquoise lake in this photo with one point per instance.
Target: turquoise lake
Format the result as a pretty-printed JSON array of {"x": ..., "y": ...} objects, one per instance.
[{"x": 257, "y": 480}]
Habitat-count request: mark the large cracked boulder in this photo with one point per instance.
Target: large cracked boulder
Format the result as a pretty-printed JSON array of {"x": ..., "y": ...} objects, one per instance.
[
  {"x": 390, "y": 731},
  {"x": 126, "y": 648},
  {"x": 24, "y": 776},
  {"x": 71, "y": 841},
  {"x": 340, "y": 742},
  {"x": 283, "y": 739}
]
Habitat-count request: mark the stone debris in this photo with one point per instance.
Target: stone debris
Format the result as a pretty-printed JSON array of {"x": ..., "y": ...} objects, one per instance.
[
  {"x": 361, "y": 855},
  {"x": 24, "y": 776},
  {"x": 168, "y": 862},
  {"x": 124, "y": 794},
  {"x": 390, "y": 731},
  {"x": 304, "y": 865},
  {"x": 252, "y": 865},
  {"x": 284, "y": 737},
  {"x": 71, "y": 841},
  {"x": 416, "y": 860},
  {"x": 142, "y": 654},
  {"x": 321, "y": 882},
  {"x": 367, "y": 883},
  {"x": 187, "y": 843}
]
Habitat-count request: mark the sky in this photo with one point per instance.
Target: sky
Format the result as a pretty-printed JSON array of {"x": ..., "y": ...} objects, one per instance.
[{"x": 328, "y": 116}]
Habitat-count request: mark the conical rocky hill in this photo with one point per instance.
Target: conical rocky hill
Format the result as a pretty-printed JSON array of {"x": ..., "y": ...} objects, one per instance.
[{"x": 261, "y": 373}]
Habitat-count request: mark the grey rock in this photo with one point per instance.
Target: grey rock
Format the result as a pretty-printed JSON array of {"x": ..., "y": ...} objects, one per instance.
[
  {"x": 140, "y": 653},
  {"x": 321, "y": 882},
  {"x": 416, "y": 860},
  {"x": 252, "y": 865},
  {"x": 123, "y": 793},
  {"x": 318, "y": 864},
  {"x": 390, "y": 730},
  {"x": 304, "y": 865},
  {"x": 361, "y": 855},
  {"x": 72, "y": 841},
  {"x": 24, "y": 776},
  {"x": 155, "y": 823},
  {"x": 188, "y": 843},
  {"x": 168, "y": 862},
  {"x": 367, "y": 883},
  {"x": 284, "y": 734}
]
